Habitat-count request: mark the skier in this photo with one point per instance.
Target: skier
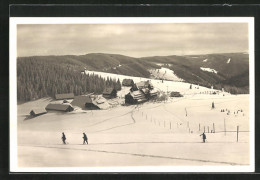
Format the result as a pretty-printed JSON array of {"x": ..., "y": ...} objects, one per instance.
[
  {"x": 63, "y": 138},
  {"x": 85, "y": 138},
  {"x": 203, "y": 137},
  {"x": 213, "y": 105}
]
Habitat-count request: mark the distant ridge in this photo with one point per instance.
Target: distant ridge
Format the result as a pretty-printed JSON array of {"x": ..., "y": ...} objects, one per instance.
[{"x": 233, "y": 76}]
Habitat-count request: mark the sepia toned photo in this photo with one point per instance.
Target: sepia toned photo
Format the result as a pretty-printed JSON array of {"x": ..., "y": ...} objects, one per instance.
[{"x": 132, "y": 94}]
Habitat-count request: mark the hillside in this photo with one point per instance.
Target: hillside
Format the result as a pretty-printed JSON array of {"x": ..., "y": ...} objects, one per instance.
[
  {"x": 232, "y": 69},
  {"x": 227, "y": 70}
]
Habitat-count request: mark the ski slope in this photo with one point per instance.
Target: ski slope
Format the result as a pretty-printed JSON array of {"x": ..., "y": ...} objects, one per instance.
[
  {"x": 150, "y": 134},
  {"x": 165, "y": 73}
]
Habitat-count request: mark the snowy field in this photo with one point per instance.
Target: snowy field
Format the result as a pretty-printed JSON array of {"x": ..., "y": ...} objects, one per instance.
[{"x": 150, "y": 134}]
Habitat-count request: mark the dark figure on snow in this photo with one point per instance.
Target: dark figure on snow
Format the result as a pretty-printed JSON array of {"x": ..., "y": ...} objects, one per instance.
[
  {"x": 203, "y": 137},
  {"x": 63, "y": 138},
  {"x": 213, "y": 105},
  {"x": 85, "y": 138}
]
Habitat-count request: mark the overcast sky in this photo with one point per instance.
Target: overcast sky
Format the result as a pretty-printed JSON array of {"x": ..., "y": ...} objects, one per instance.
[{"x": 136, "y": 40}]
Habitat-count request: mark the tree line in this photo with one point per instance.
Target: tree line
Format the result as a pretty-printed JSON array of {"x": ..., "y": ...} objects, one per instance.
[{"x": 39, "y": 78}]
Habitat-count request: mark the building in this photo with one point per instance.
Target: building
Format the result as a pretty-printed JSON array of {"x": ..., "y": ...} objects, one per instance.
[
  {"x": 176, "y": 94},
  {"x": 109, "y": 93},
  {"x": 64, "y": 96},
  {"x": 153, "y": 93},
  {"x": 135, "y": 97},
  {"x": 127, "y": 82},
  {"x": 142, "y": 85},
  {"x": 37, "y": 112},
  {"x": 59, "y": 107},
  {"x": 90, "y": 102}
]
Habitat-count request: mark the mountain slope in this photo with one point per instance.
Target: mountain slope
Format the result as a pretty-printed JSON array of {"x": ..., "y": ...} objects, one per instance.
[{"x": 232, "y": 69}]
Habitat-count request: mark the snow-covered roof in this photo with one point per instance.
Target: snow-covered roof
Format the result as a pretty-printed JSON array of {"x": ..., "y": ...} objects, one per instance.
[
  {"x": 98, "y": 101},
  {"x": 38, "y": 111},
  {"x": 59, "y": 107},
  {"x": 108, "y": 91}
]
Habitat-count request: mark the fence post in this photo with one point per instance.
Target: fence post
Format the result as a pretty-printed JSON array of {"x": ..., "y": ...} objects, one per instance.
[
  {"x": 213, "y": 127},
  {"x": 237, "y": 132},
  {"x": 225, "y": 126}
]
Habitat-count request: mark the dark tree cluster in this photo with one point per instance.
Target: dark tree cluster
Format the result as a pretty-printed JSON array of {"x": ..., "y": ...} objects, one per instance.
[{"x": 39, "y": 78}]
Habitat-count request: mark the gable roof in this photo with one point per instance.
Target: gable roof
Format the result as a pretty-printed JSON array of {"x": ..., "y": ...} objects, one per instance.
[
  {"x": 38, "y": 111},
  {"x": 58, "y": 107},
  {"x": 138, "y": 95},
  {"x": 108, "y": 90},
  {"x": 144, "y": 84},
  {"x": 141, "y": 84},
  {"x": 64, "y": 96},
  {"x": 127, "y": 82},
  {"x": 80, "y": 101}
]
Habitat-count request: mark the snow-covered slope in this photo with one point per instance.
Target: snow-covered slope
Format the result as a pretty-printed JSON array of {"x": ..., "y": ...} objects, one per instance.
[
  {"x": 208, "y": 70},
  {"x": 150, "y": 134},
  {"x": 160, "y": 85},
  {"x": 228, "y": 61},
  {"x": 164, "y": 73}
]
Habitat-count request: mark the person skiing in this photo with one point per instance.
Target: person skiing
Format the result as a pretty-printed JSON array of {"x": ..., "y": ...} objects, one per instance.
[
  {"x": 85, "y": 138},
  {"x": 63, "y": 138},
  {"x": 203, "y": 137}
]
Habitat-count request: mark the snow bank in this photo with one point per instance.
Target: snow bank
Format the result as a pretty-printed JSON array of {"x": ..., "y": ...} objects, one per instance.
[{"x": 209, "y": 70}]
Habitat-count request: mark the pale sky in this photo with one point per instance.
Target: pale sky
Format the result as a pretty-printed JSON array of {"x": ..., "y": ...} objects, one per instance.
[{"x": 136, "y": 40}]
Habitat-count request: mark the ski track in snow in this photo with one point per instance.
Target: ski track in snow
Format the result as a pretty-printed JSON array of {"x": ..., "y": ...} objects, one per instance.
[
  {"x": 132, "y": 117},
  {"x": 142, "y": 155},
  {"x": 110, "y": 119},
  {"x": 131, "y": 112}
]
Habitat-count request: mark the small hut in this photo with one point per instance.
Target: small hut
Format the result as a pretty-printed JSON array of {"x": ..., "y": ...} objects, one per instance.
[
  {"x": 37, "y": 112},
  {"x": 64, "y": 96},
  {"x": 176, "y": 94},
  {"x": 59, "y": 107},
  {"x": 109, "y": 93},
  {"x": 128, "y": 82}
]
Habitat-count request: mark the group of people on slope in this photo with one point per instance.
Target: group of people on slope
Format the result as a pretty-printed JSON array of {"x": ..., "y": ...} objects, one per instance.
[{"x": 85, "y": 138}]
